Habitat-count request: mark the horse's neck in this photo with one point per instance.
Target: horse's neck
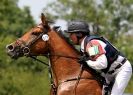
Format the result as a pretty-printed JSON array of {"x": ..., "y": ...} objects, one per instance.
[
  {"x": 59, "y": 46},
  {"x": 63, "y": 67}
]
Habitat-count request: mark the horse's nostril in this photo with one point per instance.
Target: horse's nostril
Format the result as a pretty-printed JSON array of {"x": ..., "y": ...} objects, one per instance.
[{"x": 10, "y": 47}]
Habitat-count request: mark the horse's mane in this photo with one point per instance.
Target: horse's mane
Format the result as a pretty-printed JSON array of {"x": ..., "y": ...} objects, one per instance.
[{"x": 61, "y": 34}]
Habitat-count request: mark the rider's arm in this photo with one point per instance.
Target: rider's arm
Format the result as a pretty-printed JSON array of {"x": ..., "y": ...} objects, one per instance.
[
  {"x": 99, "y": 63},
  {"x": 96, "y": 51}
]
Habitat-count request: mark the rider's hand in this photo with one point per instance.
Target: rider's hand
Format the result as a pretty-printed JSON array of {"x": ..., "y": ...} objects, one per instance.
[{"x": 83, "y": 59}]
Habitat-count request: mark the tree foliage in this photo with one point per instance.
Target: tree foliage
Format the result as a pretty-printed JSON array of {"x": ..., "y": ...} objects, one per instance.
[
  {"x": 113, "y": 16},
  {"x": 13, "y": 20},
  {"x": 23, "y": 76}
]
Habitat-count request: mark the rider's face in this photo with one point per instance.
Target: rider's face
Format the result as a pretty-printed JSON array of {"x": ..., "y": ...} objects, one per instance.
[{"x": 74, "y": 38}]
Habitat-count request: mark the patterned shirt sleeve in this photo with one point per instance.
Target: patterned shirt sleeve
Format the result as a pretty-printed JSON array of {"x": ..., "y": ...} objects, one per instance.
[{"x": 94, "y": 49}]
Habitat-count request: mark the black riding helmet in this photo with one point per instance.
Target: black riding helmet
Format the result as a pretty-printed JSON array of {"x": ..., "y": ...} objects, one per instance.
[{"x": 78, "y": 26}]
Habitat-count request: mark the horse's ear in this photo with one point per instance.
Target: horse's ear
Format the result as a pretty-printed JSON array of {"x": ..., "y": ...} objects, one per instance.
[{"x": 43, "y": 19}]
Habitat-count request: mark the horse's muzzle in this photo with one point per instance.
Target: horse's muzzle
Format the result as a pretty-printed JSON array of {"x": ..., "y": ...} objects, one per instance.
[{"x": 13, "y": 52}]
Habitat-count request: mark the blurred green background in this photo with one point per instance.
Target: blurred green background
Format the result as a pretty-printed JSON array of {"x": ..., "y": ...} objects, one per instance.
[{"x": 25, "y": 76}]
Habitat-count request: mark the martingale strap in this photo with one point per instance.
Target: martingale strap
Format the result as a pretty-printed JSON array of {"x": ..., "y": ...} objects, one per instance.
[{"x": 73, "y": 79}]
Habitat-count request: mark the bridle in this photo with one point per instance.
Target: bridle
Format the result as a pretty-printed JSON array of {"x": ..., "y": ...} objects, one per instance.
[
  {"x": 25, "y": 46},
  {"x": 25, "y": 49}
]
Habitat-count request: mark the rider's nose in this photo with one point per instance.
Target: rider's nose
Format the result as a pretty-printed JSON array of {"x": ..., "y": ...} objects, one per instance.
[{"x": 10, "y": 47}]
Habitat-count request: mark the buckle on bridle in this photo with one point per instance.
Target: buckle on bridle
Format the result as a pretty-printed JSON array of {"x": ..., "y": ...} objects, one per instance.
[{"x": 26, "y": 51}]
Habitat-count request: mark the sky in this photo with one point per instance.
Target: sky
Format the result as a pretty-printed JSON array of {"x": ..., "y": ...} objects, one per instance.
[{"x": 36, "y": 7}]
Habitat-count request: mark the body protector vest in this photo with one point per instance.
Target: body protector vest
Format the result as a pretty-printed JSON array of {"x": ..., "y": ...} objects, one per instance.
[{"x": 111, "y": 52}]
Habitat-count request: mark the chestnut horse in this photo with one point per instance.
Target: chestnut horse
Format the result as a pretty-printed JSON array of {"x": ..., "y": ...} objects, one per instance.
[{"x": 69, "y": 78}]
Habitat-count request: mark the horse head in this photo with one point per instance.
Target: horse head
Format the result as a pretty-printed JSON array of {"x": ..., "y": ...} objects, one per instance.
[{"x": 33, "y": 42}]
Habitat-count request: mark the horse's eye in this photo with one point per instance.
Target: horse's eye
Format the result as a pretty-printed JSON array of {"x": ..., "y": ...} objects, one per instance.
[{"x": 35, "y": 33}]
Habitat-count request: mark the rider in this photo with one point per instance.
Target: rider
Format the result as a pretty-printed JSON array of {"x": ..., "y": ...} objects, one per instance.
[{"x": 102, "y": 56}]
